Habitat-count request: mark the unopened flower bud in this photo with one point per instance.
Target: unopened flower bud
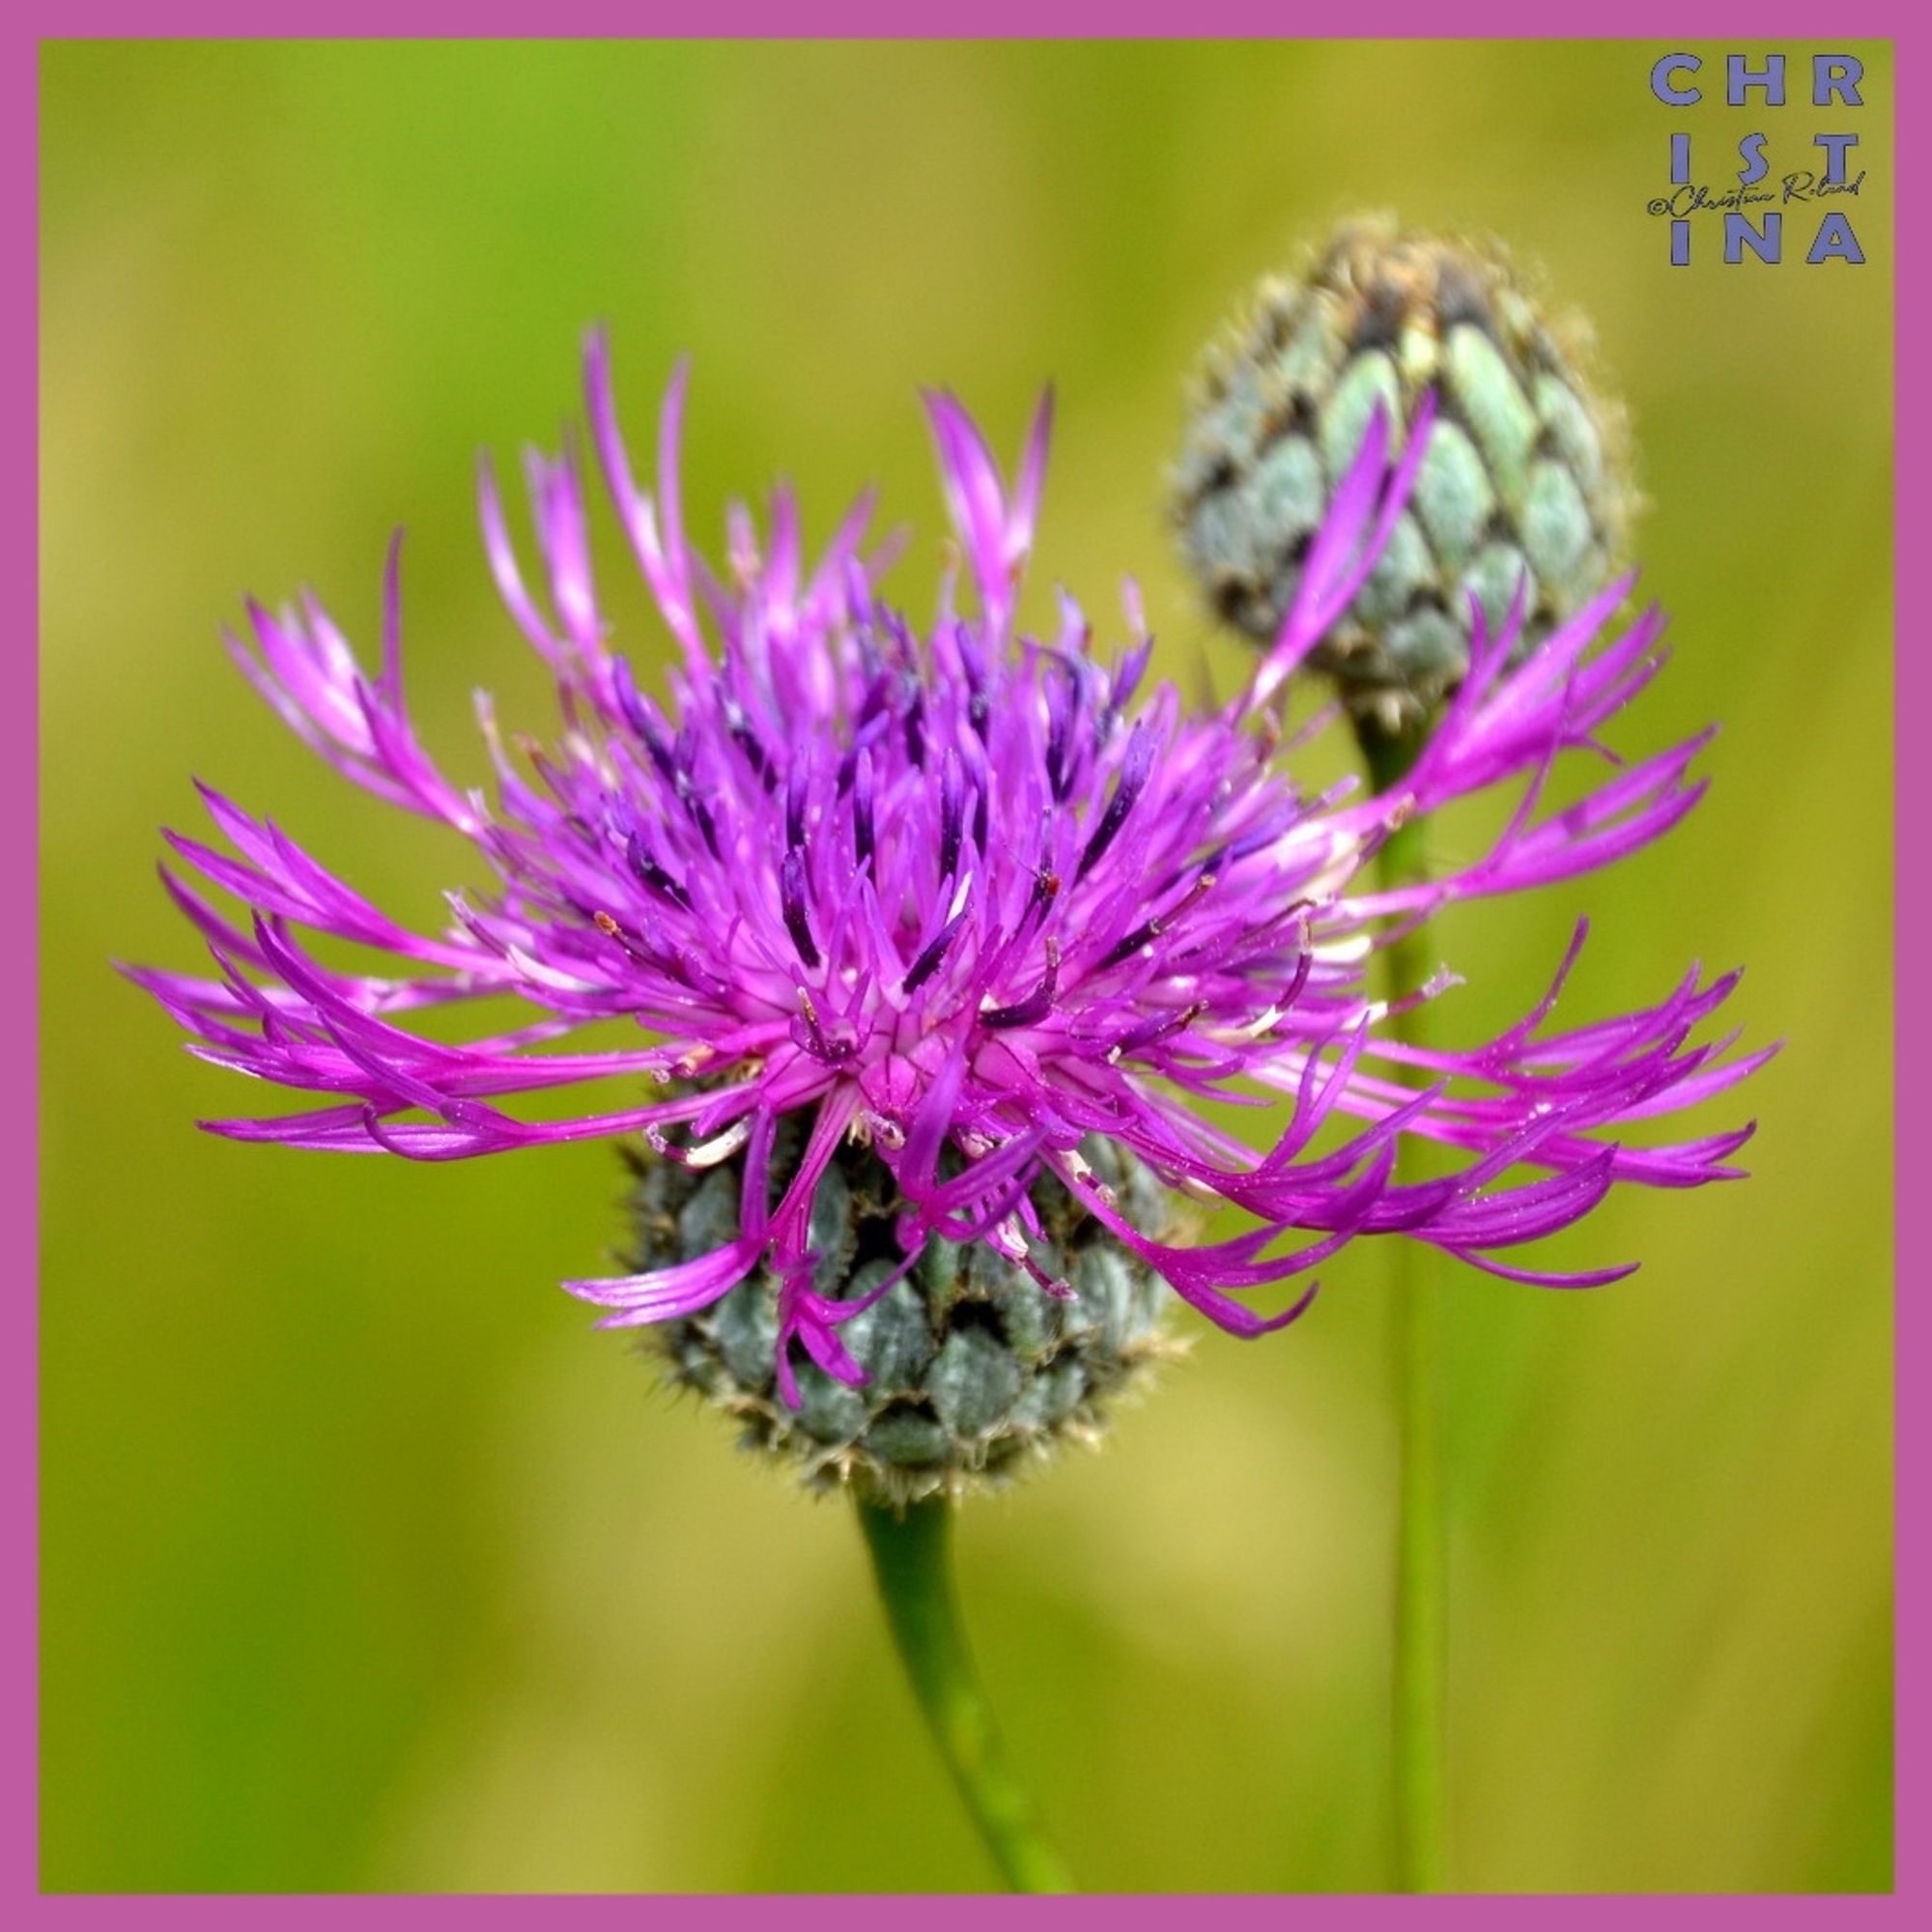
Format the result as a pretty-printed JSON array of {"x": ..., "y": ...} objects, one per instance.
[{"x": 1525, "y": 481}]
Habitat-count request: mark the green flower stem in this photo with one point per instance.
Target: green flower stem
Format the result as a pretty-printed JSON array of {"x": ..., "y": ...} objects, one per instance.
[
  {"x": 1419, "y": 1680},
  {"x": 912, "y": 1556}
]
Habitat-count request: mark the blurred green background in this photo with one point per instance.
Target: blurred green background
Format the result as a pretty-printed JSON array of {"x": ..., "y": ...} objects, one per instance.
[{"x": 366, "y": 1563}]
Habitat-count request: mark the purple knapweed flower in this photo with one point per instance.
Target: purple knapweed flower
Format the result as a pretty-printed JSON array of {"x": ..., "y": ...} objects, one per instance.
[{"x": 963, "y": 899}]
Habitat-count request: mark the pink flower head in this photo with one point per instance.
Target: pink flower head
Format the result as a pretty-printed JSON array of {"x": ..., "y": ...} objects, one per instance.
[{"x": 968, "y": 894}]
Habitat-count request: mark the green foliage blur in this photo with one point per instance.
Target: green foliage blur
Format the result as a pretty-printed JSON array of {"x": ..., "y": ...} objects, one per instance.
[{"x": 367, "y": 1564}]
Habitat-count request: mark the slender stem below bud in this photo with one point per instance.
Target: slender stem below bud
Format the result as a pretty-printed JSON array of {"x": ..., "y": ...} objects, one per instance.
[
  {"x": 1419, "y": 1680},
  {"x": 912, "y": 1558}
]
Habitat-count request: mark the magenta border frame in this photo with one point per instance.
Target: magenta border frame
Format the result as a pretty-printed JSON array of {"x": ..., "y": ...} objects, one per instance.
[{"x": 1641, "y": 21}]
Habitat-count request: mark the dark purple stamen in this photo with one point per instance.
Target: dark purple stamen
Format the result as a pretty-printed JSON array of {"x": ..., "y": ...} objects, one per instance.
[
  {"x": 659, "y": 748},
  {"x": 1036, "y": 1005},
  {"x": 951, "y": 811},
  {"x": 915, "y": 728},
  {"x": 795, "y": 789},
  {"x": 629, "y": 701},
  {"x": 1160, "y": 1028},
  {"x": 1059, "y": 731},
  {"x": 1126, "y": 679},
  {"x": 1134, "y": 769},
  {"x": 747, "y": 741},
  {"x": 817, "y": 1039},
  {"x": 1148, "y": 929},
  {"x": 927, "y": 963},
  {"x": 791, "y": 894},
  {"x": 653, "y": 874},
  {"x": 861, "y": 813},
  {"x": 700, "y": 812}
]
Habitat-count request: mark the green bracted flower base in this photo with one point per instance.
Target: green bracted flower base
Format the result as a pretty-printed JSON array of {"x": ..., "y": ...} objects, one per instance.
[{"x": 972, "y": 1367}]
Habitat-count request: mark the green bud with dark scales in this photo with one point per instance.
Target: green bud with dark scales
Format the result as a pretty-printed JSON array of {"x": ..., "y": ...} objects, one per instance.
[
  {"x": 972, "y": 1367},
  {"x": 1526, "y": 478}
]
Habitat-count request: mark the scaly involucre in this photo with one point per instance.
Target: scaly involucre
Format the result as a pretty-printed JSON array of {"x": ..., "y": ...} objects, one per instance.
[{"x": 969, "y": 895}]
